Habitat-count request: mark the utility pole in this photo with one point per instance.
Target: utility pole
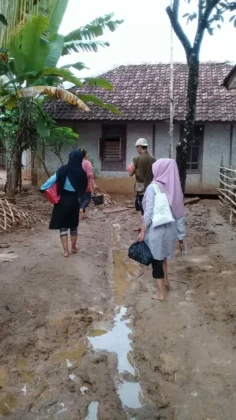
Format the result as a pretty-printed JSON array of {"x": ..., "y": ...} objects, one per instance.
[{"x": 171, "y": 130}]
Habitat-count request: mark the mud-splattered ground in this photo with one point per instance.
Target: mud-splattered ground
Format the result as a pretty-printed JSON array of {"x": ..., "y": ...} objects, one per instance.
[{"x": 82, "y": 338}]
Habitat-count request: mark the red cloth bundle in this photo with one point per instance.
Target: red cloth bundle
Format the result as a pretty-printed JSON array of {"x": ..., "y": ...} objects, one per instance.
[{"x": 52, "y": 194}]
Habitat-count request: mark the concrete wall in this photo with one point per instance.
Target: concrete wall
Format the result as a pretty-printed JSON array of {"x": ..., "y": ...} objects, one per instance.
[
  {"x": 163, "y": 139},
  {"x": 216, "y": 144},
  {"x": 234, "y": 148},
  {"x": 26, "y": 165}
]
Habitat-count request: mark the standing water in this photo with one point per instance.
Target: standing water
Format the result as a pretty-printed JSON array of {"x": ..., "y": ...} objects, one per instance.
[
  {"x": 117, "y": 340},
  {"x": 92, "y": 411}
]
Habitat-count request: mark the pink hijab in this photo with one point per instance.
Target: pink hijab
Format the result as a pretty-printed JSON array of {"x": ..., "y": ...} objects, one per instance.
[{"x": 165, "y": 172}]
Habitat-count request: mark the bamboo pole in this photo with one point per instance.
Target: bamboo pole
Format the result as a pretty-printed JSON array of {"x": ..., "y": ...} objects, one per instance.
[{"x": 171, "y": 131}]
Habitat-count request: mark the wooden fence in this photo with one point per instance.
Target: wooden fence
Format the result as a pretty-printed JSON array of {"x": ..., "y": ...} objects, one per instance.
[{"x": 227, "y": 190}]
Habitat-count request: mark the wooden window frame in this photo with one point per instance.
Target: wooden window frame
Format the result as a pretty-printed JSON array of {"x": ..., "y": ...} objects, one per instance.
[
  {"x": 109, "y": 132},
  {"x": 201, "y": 144}
]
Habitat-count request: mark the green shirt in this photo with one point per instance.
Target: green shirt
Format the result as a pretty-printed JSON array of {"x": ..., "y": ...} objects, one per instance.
[{"x": 143, "y": 168}]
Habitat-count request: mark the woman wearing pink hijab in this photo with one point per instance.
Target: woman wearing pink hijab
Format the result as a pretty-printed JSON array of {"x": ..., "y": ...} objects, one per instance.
[{"x": 161, "y": 240}]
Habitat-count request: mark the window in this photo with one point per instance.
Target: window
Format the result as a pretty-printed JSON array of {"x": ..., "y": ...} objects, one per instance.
[
  {"x": 194, "y": 158},
  {"x": 112, "y": 147}
]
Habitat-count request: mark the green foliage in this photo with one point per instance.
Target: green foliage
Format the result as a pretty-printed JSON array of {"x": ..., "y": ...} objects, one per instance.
[
  {"x": 95, "y": 169},
  {"x": 102, "y": 83},
  {"x": 87, "y": 98},
  {"x": 9, "y": 126},
  {"x": 33, "y": 55},
  {"x": 18, "y": 12},
  {"x": 65, "y": 74},
  {"x": 52, "y": 137},
  {"x": 83, "y": 46},
  {"x": 83, "y": 39},
  {"x": 63, "y": 135},
  {"x": 31, "y": 66}
]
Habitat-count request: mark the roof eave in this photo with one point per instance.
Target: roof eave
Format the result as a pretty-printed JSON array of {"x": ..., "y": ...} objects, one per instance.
[{"x": 230, "y": 80}]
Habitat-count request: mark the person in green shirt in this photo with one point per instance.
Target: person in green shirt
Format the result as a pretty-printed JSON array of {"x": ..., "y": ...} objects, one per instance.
[{"x": 142, "y": 169}]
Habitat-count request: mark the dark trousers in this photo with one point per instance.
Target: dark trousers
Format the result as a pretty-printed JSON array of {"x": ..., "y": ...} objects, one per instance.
[
  {"x": 157, "y": 269},
  {"x": 85, "y": 200},
  {"x": 138, "y": 203}
]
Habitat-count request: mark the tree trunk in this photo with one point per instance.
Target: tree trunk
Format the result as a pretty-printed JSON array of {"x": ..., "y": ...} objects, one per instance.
[
  {"x": 187, "y": 137},
  {"x": 13, "y": 173},
  {"x": 44, "y": 164}
]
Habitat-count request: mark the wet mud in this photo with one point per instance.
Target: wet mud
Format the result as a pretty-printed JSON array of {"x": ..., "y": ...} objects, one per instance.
[{"x": 82, "y": 338}]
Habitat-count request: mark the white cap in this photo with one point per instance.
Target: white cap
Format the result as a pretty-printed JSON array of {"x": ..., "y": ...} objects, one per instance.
[{"x": 141, "y": 142}]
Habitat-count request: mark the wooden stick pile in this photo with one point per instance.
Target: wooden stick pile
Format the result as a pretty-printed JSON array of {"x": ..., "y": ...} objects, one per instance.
[{"x": 12, "y": 216}]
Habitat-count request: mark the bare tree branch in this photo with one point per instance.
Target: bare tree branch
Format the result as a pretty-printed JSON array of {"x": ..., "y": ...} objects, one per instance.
[
  {"x": 203, "y": 21},
  {"x": 201, "y": 5},
  {"x": 174, "y": 20}
]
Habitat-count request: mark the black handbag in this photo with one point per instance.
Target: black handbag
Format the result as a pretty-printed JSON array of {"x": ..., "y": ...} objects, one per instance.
[{"x": 140, "y": 252}]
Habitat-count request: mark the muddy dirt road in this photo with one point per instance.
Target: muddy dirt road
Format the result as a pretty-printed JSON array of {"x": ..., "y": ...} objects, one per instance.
[{"x": 82, "y": 339}]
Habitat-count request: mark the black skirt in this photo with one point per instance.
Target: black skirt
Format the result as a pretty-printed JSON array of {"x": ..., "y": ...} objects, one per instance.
[{"x": 65, "y": 214}]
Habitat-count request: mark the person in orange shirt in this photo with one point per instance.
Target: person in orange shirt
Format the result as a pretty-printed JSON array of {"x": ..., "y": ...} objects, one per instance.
[{"x": 86, "y": 198}]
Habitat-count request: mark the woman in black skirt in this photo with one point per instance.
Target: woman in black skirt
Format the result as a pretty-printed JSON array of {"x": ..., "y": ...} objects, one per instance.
[{"x": 71, "y": 182}]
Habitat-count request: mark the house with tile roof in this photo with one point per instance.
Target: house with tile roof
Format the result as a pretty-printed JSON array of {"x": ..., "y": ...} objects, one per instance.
[{"x": 141, "y": 93}]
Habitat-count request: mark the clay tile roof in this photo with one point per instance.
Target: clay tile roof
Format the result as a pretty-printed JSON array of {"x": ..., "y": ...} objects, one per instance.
[{"x": 141, "y": 92}]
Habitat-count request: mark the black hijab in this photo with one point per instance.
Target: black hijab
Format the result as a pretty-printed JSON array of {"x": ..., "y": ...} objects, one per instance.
[{"x": 75, "y": 173}]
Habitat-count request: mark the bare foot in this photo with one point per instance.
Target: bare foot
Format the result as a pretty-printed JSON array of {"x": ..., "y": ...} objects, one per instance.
[
  {"x": 167, "y": 284},
  {"x": 159, "y": 297},
  {"x": 82, "y": 214},
  {"x": 74, "y": 250},
  {"x": 65, "y": 254}
]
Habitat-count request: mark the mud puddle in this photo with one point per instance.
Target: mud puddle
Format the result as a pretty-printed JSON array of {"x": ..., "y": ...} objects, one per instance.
[
  {"x": 118, "y": 339},
  {"x": 123, "y": 272},
  {"x": 7, "y": 405},
  {"x": 69, "y": 358}
]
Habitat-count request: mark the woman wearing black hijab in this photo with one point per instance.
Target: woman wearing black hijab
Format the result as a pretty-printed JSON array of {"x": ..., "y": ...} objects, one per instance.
[{"x": 72, "y": 182}]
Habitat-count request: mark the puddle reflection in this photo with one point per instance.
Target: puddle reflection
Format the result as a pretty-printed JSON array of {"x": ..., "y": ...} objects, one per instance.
[
  {"x": 117, "y": 341},
  {"x": 131, "y": 395},
  {"x": 92, "y": 411}
]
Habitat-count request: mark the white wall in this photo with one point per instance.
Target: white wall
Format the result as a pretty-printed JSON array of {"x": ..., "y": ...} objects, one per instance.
[
  {"x": 163, "y": 139},
  {"x": 89, "y": 135},
  {"x": 216, "y": 145},
  {"x": 136, "y": 130},
  {"x": 234, "y": 148}
]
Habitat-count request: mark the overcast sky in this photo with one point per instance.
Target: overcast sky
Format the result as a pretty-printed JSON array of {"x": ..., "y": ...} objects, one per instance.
[{"x": 144, "y": 36}]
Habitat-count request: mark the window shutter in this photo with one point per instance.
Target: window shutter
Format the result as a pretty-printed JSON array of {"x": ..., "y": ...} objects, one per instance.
[
  {"x": 112, "y": 149},
  {"x": 100, "y": 144}
]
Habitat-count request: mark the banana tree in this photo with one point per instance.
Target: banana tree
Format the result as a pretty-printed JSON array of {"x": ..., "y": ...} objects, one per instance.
[
  {"x": 16, "y": 12},
  {"x": 30, "y": 71}
]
